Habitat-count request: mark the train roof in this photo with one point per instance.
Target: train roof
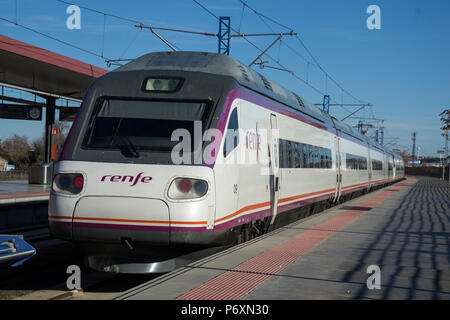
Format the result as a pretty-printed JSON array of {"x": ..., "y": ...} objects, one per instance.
[{"x": 220, "y": 64}]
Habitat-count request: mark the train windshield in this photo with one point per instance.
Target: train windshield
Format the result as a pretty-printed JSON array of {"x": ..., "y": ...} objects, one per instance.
[{"x": 132, "y": 125}]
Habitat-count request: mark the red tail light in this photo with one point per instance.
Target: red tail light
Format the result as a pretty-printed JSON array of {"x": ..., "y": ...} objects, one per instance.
[
  {"x": 68, "y": 183},
  {"x": 185, "y": 186},
  {"x": 78, "y": 182}
]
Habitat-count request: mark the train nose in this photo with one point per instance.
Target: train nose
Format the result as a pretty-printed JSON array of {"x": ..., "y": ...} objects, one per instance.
[{"x": 112, "y": 219}]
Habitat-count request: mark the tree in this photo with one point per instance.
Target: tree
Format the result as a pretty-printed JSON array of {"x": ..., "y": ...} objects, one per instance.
[
  {"x": 3, "y": 153},
  {"x": 16, "y": 150},
  {"x": 37, "y": 151},
  {"x": 60, "y": 138},
  {"x": 405, "y": 155},
  {"x": 445, "y": 118},
  {"x": 20, "y": 153}
]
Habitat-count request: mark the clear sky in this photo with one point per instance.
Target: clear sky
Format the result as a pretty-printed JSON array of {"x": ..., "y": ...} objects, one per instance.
[{"x": 403, "y": 69}]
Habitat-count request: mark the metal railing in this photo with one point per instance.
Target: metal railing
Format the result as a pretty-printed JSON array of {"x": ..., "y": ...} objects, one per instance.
[
  {"x": 428, "y": 171},
  {"x": 13, "y": 175}
]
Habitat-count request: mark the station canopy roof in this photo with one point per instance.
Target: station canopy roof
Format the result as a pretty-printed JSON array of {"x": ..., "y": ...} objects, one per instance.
[{"x": 31, "y": 68}]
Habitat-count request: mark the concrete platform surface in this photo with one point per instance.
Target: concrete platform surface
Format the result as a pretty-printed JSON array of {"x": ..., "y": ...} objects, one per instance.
[
  {"x": 16, "y": 192},
  {"x": 390, "y": 244}
]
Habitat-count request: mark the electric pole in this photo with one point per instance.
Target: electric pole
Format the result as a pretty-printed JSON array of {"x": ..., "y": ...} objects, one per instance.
[{"x": 413, "y": 147}]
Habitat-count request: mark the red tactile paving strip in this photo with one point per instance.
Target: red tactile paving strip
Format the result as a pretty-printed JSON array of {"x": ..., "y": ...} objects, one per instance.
[
  {"x": 14, "y": 195},
  {"x": 242, "y": 279}
]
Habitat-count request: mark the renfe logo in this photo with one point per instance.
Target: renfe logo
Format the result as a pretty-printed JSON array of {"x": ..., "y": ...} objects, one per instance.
[{"x": 133, "y": 180}]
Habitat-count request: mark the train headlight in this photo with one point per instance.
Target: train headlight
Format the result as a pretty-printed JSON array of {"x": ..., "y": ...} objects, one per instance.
[
  {"x": 185, "y": 188},
  {"x": 68, "y": 183}
]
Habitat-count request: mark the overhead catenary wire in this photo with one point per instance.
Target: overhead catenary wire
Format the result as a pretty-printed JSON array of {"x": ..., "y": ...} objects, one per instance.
[
  {"x": 100, "y": 12},
  {"x": 130, "y": 44},
  {"x": 316, "y": 63},
  {"x": 53, "y": 38},
  {"x": 134, "y": 21},
  {"x": 266, "y": 54},
  {"x": 269, "y": 56},
  {"x": 268, "y": 18}
]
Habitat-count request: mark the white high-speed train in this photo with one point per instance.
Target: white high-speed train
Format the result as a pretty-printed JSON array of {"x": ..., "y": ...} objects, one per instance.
[{"x": 179, "y": 151}]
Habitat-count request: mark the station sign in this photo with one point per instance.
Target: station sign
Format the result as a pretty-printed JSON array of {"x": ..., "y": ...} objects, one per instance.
[{"x": 20, "y": 111}]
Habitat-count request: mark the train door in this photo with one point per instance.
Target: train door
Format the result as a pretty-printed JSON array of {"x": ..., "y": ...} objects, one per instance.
[
  {"x": 337, "y": 142},
  {"x": 228, "y": 172},
  {"x": 274, "y": 174}
]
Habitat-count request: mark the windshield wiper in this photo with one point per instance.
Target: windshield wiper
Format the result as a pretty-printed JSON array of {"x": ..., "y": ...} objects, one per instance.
[{"x": 128, "y": 149}]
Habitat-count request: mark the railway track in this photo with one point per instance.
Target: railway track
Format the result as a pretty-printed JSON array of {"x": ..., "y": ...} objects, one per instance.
[{"x": 44, "y": 276}]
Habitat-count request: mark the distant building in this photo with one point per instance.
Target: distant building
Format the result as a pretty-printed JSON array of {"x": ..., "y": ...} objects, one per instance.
[
  {"x": 3, "y": 164},
  {"x": 427, "y": 162}
]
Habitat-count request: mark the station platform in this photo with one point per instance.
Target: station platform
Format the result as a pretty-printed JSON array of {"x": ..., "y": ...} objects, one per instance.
[
  {"x": 20, "y": 192},
  {"x": 403, "y": 230}
]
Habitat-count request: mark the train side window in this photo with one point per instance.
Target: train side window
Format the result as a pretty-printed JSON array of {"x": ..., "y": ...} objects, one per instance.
[
  {"x": 281, "y": 155},
  {"x": 305, "y": 156},
  {"x": 301, "y": 152},
  {"x": 354, "y": 162},
  {"x": 377, "y": 165},
  {"x": 316, "y": 157},
  {"x": 284, "y": 155},
  {"x": 290, "y": 154},
  {"x": 232, "y": 134},
  {"x": 297, "y": 155},
  {"x": 301, "y": 155},
  {"x": 330, "y": 160},
  {"x": 348, "y": 161},
  {"x": 319, "y": 157},
  {"x": 312, "y": 157},
  {"x": 323, "y": 158}
]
